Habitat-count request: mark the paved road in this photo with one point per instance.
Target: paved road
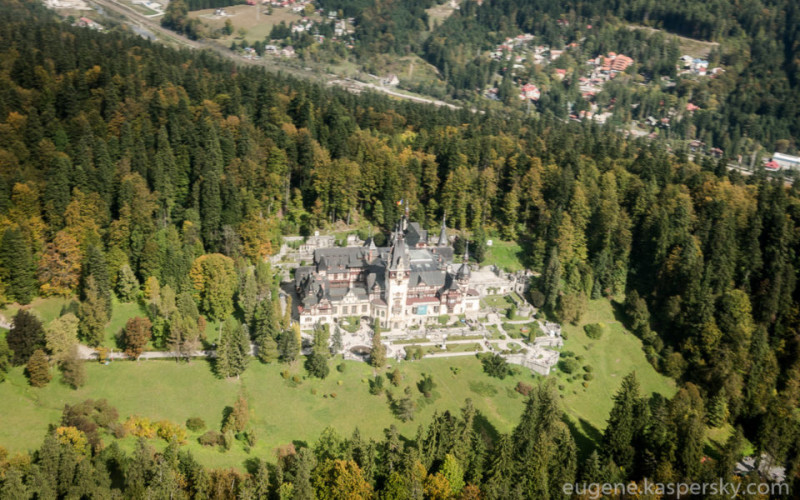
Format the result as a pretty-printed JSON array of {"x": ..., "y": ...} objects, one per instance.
[{"x": 138, "y": 19}]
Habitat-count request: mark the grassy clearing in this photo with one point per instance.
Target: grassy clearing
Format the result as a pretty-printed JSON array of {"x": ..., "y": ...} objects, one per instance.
[
  {"x": 521, "y": 330},
  {"x": 244, "y": 16},
  {"x": 46, "y": 309},
  {"x": 281, "y": 413},
  {"x": 505, "y": 255},
  {"x": 438, "y": 13},
  {"x": 690, "y": 46},
  {"x": 499, "y": 302},
  {"x": 617, "y": 353}
]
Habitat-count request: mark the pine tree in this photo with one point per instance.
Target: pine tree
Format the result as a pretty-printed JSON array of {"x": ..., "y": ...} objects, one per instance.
[
  {"x": 377, "y": 356},
  {"x": 73, "y": 369},
  {"x": 552, "y": 278},
  {"x": 26, "y": 336},
  {"x": 267, "y": 349},
  {"x": 95, "y": 266},
  {"x": 93, "y": 314},
  {"x": 336, "y": 340},
  {"x": 248, "y": 298},
  {"x": 302, "y": 476},
  {"x": 5, "y": 359},
  {"x": 627, "y": 418},
  {"x": 38, "y": 369},
  {"x": 127, "y": 284},
  {"x": 321, "y": 336},
  {"x": 233, "y": 351},
  {"x": 17, "y": 269},
  {"x": 288, "y": 345},
  {"x": 260, "y": 480}
]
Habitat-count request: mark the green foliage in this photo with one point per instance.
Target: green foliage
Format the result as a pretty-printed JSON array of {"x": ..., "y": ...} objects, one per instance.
[
  {"x": 594, "y": 330},
  {"x": 136, "y": 335},
  {"x": 569, "y": 365},
  {"x": 25, "y": 337},
  {"x": 5, "y": 359},
  {"x": 214, "y": 283},
  {"x": 17, "y": 270},
  {"x": 233, "y": 351},
  {"x": 195, "y": 424},
  {"x": 61, "y": 335},
  {"x": 376, "y": 385},
  {"x": 93, "y": 314},
  {"x": 38, "y": 369},
  {"x": 73, "y": 369},
  {"x": 377, "y": 355},
  {"x": 289, "y": 345},
  {"x": 127, "y": 284},
  {"x": 495, "y": 365},
  {"x": 317, "y": 365}
]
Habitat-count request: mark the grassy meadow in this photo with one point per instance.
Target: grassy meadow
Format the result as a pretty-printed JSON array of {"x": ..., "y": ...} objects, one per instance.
[{"x": 283, "y": 411}]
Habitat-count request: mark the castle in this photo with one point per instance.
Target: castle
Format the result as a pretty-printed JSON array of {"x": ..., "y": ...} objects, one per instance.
[{"x": 410, "y": 282}]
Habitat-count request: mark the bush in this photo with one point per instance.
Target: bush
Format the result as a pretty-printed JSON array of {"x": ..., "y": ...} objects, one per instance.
[
  {"x": 495, "y": 365},
  {"x": 537, "y": 298},
  {"x": 523, "y": 388},
  {"x": 568, "y": 366},
  {"x": 210, "y": 438},
  {"x": 195, "y": 424},
  {"x": 285, "y": 374},
  {"x": 594, "y": 330},
  {"x": 588, "y": 376},
  {"x": 341, "y": 367},
  {"x": 376, "y": 385},
  {"x": 169, "y": 431},
  {"x": 588, "y": 368},
  {"x": 317, "y": 366},
  {"x": 426, "y": 385},
  {"x": 117, "y": 430}
]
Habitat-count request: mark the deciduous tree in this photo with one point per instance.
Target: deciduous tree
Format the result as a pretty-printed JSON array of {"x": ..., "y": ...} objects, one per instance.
[
  {"x": 38, "y": 369},
  {"x": 25, "y": 337},
  {"x": 136, "y": 335}
]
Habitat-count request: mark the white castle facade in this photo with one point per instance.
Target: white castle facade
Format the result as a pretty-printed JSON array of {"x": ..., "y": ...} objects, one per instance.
[{"x": 410, "y": 282}]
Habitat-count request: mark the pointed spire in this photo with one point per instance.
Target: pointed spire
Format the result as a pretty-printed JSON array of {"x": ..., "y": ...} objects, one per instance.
[
  {"x": 466, "y": 252},
  {"x": 443, "y": 234}
]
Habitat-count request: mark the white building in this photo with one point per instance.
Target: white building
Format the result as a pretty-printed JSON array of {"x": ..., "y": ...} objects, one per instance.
[{"x": 411, "y": 282}]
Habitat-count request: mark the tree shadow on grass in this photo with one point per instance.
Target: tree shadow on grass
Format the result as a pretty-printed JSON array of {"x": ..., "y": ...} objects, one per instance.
[{"x": 587, "y": 437}]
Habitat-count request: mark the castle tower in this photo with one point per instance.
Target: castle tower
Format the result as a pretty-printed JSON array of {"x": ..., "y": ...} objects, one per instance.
[
  {"x": 397, "y": 275},
  {"x": 443, "y": 234},
  {"x": 464, "y": 273}
]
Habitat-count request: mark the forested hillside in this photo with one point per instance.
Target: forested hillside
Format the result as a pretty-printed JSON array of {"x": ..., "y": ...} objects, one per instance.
[
  {"x": 758, "y": 98},
  {"x": 125, "y": 163}
]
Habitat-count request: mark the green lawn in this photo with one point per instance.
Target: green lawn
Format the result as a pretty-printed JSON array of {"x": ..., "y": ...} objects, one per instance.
[
  {"x": 505, "y": 255},
  {"x": 520, "y": 330},
  {"x": 282, "y": 413},
  {"x": 617, "y": 353},
  {"x": 46, "y": 309},
  {"x": 120, "y": 314}
]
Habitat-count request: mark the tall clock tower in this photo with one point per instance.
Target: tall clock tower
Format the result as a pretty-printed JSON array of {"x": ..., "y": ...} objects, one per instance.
[{"x": 398, "y": 272}]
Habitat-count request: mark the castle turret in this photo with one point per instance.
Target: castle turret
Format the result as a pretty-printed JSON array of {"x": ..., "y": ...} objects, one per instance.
[
  {"x": 463, "y": 273},
  {"x": 443, "y": 234},
  {"x": 397, "y": 276}
]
